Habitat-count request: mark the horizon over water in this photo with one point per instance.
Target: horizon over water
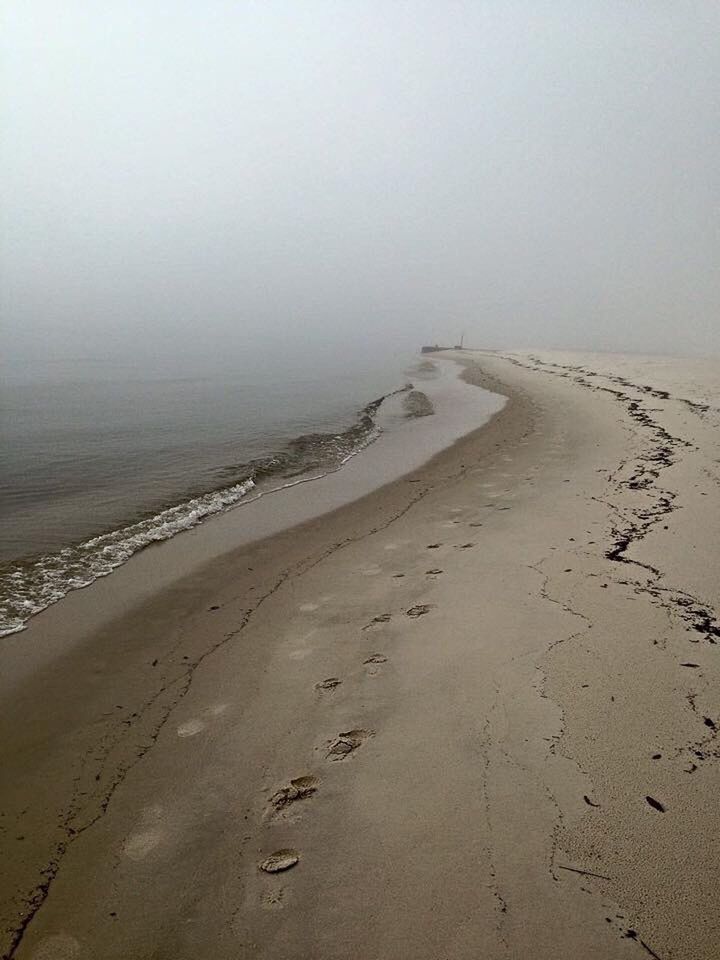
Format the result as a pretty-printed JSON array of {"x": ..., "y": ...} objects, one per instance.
[{"x": 102, "y": 456}]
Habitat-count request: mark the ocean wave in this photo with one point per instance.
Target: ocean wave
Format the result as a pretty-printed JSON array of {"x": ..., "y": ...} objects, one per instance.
[
  {"x": 26, "y": 588},
  {"x": 29, "y": 588}
]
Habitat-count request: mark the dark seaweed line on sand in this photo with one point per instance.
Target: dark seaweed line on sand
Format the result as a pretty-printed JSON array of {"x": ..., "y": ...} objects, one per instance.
[
  {"x": 665, "y": 451},
  {"x": 633, "y": 524},
  {"x": 697, "y": 616},
  {"x": 636, "y": 523}
]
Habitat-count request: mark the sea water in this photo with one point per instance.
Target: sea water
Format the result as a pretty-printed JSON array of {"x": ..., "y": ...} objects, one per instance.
[{"x": 101, "y": 458}]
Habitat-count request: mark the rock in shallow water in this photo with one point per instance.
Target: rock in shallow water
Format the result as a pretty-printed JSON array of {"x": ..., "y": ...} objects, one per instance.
[{"x": 417, "y": 404}]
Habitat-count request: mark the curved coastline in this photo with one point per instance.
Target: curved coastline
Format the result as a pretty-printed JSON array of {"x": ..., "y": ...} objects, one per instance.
[
  {"x": 30, "y": 586},
  {"x": 260, "y": 515},
  {"x": 115, "y": 660},
  {"x": 505, "y": 634}
]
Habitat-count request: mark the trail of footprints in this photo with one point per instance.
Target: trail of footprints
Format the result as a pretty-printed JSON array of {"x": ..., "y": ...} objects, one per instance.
[{"x": 343, "y": 745}]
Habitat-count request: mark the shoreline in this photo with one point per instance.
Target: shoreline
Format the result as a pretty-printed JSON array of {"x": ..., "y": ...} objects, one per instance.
[
  {"x": 383, "y": 460},
  {"x": 139, "y": 586},
  {"x": 57, "y": 659},
  {"x": 505, "y": 680}
]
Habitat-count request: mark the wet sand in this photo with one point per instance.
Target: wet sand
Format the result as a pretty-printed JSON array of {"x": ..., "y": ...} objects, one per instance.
[{"x": 476, "y": 710}]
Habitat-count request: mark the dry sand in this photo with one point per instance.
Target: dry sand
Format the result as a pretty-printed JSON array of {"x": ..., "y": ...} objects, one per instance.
[{"x": 520, "y": 758}]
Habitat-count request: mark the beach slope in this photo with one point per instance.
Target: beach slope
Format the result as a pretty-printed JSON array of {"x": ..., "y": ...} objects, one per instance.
[{"x": 474, "y": 714}]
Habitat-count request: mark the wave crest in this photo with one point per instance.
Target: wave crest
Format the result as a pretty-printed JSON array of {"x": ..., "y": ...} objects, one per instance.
[{"x": 28, "y": 587}]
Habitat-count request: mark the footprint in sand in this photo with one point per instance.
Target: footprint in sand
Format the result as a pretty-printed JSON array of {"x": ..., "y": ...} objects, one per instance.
[
  {"x": 196, "y": 724},
  {"x": 372, "y": 663},
  {"x": 419, "y": 610},
  {"x": 347, "y": 743},
  {"x": 465, "y": 546},
  {"x": 381, "y": 618},
  {"x": 61, "y": 946},
  {"x": 433, "y": 573},
  {"x": 139, "y": 845},
  {"x": 434, "y": 546},
  {"x": 328, "y": 684},
  {"x": 300, "y": 654},
  {"x": 299, "y": 788},
  {"x": 218, "y": 709},
  {"x": 280, "y": 860},
  {"x": 190, "y": 728},
  {"x": 273, "y": 899}
]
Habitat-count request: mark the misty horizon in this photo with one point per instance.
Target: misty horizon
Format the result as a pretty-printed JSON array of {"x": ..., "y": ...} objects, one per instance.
[{"x": 183, "y": 180}]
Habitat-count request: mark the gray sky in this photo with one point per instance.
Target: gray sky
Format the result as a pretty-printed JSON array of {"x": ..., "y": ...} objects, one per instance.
[{"x": 186, "y": 174}]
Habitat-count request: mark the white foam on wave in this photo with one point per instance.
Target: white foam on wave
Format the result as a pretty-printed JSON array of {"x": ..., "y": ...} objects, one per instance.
[{"x": 32, "y": 588}]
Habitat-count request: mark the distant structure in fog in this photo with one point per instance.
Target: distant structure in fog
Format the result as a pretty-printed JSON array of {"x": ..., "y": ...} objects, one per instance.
[{"x": 436, "y": 348}]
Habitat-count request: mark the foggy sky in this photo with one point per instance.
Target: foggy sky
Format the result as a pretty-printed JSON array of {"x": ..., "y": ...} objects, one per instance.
[{"x": 190, "y": 175}]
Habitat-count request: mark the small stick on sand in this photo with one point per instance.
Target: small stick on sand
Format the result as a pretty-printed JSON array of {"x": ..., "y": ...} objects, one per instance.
[{"x": 585, "y": 873}]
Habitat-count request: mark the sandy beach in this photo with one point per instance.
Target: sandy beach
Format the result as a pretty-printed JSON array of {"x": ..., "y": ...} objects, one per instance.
[{"x": 475, "y": 712}]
